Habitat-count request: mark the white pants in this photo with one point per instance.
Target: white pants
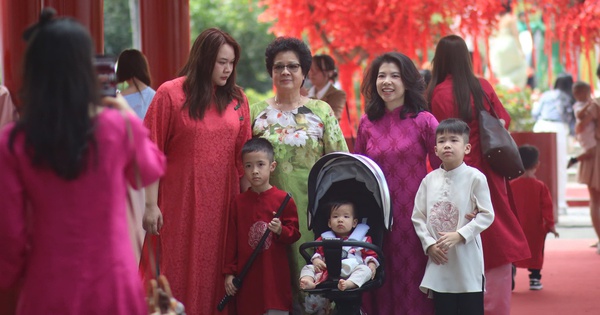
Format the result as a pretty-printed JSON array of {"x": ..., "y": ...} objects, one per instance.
[
  {"x": 276, "y": 312},
  {"x": 562, "y": 130},
  {"x": 359, "y": 275}
]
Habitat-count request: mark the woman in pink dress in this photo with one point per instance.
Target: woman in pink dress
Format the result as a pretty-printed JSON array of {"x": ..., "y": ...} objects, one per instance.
[
  {"x": 200, "y": 121},
  {"x": 398, "y": 134},
  {"x": 455, "y": 92},
  {"x": 64, "y": 167}
]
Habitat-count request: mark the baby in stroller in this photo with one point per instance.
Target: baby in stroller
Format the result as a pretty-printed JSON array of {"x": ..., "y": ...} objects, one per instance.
[
  {"x": 359, "y": 180},
  {"x": 359, "y": 265}
]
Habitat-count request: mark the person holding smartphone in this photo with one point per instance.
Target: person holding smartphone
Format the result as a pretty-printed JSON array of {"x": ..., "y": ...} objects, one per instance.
[{"x": 64, "y": 167}]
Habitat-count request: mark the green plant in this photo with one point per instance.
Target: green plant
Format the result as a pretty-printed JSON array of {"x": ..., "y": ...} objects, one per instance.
[
  {"x": 255, "y": 96},
  {"x": 518, "y": 104}
]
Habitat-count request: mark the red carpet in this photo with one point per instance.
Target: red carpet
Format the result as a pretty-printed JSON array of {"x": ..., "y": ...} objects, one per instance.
[{"x": 571, "y": 279}]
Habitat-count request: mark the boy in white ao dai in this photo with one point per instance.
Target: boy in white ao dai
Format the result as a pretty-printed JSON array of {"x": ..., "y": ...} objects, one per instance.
[{"x": 454, "y": 275}]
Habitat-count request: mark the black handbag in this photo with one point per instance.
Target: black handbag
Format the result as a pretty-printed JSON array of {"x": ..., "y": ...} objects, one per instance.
[{"x": 497, "y": 145}]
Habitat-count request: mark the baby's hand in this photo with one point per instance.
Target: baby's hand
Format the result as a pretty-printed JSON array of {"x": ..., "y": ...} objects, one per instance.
[
  {"x": 319, "y": 264},
  {"x": 373, "y": 268},
  {"x": 275, "y": 225}
]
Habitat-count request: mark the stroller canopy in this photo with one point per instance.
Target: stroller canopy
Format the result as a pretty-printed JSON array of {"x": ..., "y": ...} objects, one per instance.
[{"x": 346, "y": 176}]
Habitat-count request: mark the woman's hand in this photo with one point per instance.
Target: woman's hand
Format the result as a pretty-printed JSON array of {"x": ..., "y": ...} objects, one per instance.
[
  {"x": 117, "y": 102},
  {"x": 153, "y": 219},
  {"x": 472, "y": 215},
  {"x": 230, "y": 289}
]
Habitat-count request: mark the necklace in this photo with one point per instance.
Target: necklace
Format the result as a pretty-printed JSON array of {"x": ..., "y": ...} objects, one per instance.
[{"x": 281, "y": 107}]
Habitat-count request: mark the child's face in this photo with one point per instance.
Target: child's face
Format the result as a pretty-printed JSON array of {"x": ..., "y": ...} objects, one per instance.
[
  {"x": 581, "y": 95},
  {"x": 451, "y": 149},
  {"x": 257, "y": 169},
  {"x": 342, "y": 221}
]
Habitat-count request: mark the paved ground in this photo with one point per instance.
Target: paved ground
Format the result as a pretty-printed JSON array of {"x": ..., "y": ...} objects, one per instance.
[{"x": 575, "y": 224}]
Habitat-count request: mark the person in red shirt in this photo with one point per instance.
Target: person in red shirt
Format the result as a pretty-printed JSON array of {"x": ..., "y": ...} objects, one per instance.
[
  {"x": 534, "y": 207},
  {"x": 266, "y": 288}
]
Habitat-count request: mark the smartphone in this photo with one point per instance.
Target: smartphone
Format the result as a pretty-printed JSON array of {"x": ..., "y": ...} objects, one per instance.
[{"x": 107, "y": 78}]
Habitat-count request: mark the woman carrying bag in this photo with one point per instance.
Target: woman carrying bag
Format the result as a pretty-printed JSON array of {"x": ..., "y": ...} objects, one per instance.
[{"x": 455, "y": 92}]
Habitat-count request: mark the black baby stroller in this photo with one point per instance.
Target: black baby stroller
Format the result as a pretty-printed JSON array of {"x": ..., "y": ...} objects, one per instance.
[{"x": 356, "y": 178}]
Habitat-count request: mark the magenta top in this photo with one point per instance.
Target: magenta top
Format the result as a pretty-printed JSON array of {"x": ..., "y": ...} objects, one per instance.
[{"x": 68, "y": 241}]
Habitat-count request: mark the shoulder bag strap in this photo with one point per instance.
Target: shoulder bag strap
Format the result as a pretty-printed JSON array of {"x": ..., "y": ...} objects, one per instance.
[
  {"x": 154, "y": 257},
  {"x": 492, "y": 111}
]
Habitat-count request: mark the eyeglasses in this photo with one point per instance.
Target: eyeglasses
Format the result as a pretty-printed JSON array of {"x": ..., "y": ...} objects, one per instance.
[{"x": 293, "y": 68}]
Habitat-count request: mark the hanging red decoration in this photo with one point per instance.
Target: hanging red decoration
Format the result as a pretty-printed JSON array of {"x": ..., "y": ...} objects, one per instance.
[{"x": 354, "y": 32}]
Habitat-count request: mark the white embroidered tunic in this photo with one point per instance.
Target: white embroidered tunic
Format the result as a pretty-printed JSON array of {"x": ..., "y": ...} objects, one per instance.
[{"x": 441, "y": 203}]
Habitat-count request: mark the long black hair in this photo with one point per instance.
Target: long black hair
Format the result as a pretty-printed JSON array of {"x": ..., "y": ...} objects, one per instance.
[
  {"x": 414, "y": 85},
  {"x": 59, "y": 91},
  {"x": 200, "y": 91},
  {"x": 452, "y": 58}
]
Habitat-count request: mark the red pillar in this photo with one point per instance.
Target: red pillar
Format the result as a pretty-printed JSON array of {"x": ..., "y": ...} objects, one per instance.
[
  {"x": 165, "y": 33},
  {"x": 15, "y": 17},
  {"x": 90, "y": 13}
]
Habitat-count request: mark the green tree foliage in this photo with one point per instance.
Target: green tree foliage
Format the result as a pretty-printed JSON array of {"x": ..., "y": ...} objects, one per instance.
[
  {"x": 117, "y": 27},
  {"x": 239, "y": 18}
]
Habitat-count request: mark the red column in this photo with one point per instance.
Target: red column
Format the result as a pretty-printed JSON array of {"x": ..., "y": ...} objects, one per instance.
[
  {"x": 90, "y": 13},
  {"x": 15, "y": 17},
  {"x": 165, "y": 33}
]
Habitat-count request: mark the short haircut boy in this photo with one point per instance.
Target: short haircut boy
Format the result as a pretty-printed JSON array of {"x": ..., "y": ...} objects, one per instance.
[
  {"x": 529, "y": 156},
  {"x": 454, "y": 126},
  {"x": 259, "y": 145}
]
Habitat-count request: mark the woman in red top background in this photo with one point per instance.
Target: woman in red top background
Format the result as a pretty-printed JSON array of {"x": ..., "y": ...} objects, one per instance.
[{"x": 455, "y": 92}]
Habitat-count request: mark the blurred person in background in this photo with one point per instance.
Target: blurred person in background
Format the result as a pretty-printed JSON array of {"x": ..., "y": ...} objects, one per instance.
[
  {"x": 322, "y": 75},
  {"x": 132, "y": 67}
]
